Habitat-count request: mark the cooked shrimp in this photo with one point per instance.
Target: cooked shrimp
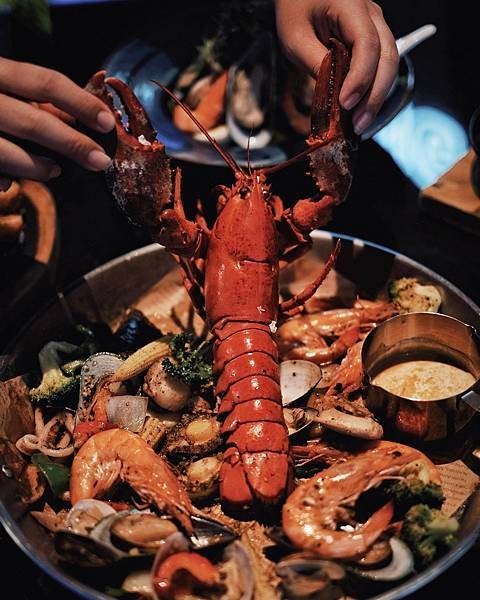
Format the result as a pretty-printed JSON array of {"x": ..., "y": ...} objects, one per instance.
[
  {"x": 325, "y": 354},
  {"x": 120, "y": 454},
  {"x": 314, "y": 511},
  {"x": 349, "y": 376},
  {"x": 334, "y": 322}
]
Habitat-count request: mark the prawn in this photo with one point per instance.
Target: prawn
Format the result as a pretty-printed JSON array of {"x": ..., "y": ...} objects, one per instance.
[
  {"x": 323, "y": 355},
  {"x": 313, "y": 512},
  {"x": 334, "y": 322},
  {"x": 120, "y": 454}
]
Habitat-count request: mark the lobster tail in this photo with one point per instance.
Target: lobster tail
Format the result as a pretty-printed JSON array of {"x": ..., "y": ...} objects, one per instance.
[{"x": 256, "y": 467}]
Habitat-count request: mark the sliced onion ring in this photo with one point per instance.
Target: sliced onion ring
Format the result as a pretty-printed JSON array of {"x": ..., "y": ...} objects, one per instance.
[{"x": 128, "y": 412}]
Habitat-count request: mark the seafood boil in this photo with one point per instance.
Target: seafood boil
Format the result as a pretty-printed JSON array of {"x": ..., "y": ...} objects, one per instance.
[{"x": 231, "y": 453}]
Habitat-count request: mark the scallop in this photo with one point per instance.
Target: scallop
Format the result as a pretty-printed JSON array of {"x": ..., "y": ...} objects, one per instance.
[
  {"x": 167, "y": 392},
  {"x": 195, "y": 435}
]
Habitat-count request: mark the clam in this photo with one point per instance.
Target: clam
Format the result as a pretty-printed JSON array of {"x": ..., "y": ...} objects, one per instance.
[
  {"x": 250, "y": 86},
  {"x": 305, "y": 576},
  {"x": 85, "y": 514},
  {"x": 298, "y": 419},
  {"x": 365, "y": 428},
  {"x": 195, "y": 435},
  {"x": 128, "y": 412},
  {"x": 297, "y": 378},
  {"x": 237, "y": 573}
]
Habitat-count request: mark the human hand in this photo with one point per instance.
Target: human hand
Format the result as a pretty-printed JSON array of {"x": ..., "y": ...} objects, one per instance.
[
  {"x": 304, "y": 28},
  {"x": 40, "y": 105}
]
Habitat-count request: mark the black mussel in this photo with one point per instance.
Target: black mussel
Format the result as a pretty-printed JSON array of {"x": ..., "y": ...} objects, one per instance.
[{"x": 135, "y": 331}]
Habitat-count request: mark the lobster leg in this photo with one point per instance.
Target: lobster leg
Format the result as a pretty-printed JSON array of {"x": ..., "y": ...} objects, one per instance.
[
  {"x": 141, "y": 177},
  {"x": 331, "y": 145},
  {"x": 294, "y": 305}
]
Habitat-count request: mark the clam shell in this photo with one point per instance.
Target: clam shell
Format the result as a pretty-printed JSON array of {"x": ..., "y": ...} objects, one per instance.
[
  {"x": 244, "y": 575},
  {"x": 84, "y": 512},
  {"x": 96, "y": 366},
  {"x": 297, "y": 378}
]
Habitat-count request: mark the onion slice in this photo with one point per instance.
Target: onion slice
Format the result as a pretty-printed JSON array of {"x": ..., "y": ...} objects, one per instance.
[{"x": 128, "y": 412}]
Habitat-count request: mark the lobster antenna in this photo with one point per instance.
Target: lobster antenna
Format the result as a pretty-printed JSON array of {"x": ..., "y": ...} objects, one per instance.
[
  {"x": 248, "y": 152},
  {"x": 228, "y": 158},
  {"x": 297, "y": 157}
]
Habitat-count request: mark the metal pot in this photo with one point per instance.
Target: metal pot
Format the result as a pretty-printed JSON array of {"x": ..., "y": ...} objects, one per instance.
[{"x": 423, "y": 336}]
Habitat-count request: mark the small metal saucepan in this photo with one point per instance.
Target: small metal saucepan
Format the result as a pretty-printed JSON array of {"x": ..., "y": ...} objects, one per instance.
[{"x": 422, "y": 336}]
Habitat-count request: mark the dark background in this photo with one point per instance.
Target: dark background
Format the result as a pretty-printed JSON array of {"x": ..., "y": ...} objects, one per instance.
[{"x": 382, "y": 207}]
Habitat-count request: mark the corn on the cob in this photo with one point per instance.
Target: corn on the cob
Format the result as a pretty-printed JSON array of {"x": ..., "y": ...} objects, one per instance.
[
  {"x": 153, "y": 431},
  {"x": 141, "y": 360}
]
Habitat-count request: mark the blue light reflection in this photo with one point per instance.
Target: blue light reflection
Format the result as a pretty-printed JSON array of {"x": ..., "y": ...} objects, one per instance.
[{"x": 424, "y": 142}]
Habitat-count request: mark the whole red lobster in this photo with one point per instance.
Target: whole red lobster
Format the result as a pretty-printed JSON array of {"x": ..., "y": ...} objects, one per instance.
[{"x": 231, "y": 271}]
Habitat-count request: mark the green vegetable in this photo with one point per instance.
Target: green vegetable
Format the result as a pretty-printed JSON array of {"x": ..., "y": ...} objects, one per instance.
[
  {"x": 55, "y": 385},
  {"x": 428, "y": 533},
  {"x": 193, "y": 361},
  {"x": 57, "y": 475},
  {"x": 410, "y": 491},
  {"x": 408, "y": 295}
]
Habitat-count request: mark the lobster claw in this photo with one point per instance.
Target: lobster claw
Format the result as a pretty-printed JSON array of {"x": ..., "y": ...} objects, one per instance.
[
  {"x": 332, "y": 164},
  {"x": 140, "y": 176}
]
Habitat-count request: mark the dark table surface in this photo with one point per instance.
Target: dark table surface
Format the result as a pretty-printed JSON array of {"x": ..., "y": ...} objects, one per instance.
[{"x": 382, "y": 207}]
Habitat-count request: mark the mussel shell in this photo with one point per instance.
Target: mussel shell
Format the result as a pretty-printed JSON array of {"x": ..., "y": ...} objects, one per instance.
[
  {"x": 84, "y": 551},
  {"x": 135, "y": 331},
  {"x": 208, "y": 532},
  {"x": 401, "y": 565},
  {"x": 297, "y": 378},
  {"x": 144, "y": 531}
]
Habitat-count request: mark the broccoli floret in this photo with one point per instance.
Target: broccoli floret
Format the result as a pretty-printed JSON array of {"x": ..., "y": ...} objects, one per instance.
[
  {"x": 408, "y": 295},
  {"x": 428, "y": 533},
  {"x": 410, "y": 491},
  {"x": 55, "y": 385},
  {"x": 193, "y": 364}
]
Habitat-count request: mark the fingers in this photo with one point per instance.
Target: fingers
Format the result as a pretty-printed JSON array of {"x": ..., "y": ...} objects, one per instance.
[
  {"x": 27, "y": 122},
  {"x": 46, "y": 86},
  {"x": 304, "y": 27},
  {"x": 386, "y": 72},
  {"x": 297, "y": 35},
  {"x": 16, "y": 162}
]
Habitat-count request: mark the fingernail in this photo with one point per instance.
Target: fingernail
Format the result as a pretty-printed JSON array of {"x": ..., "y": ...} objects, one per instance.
[
  {"x": 351, "y": 101},
  {"x": 362, "y": 122},
  {"x": 54, "y": 172},
  {"x": 99, "y": 160},
  {"x": 5, "y": 184},
  {"x": 105, "y": 120}
]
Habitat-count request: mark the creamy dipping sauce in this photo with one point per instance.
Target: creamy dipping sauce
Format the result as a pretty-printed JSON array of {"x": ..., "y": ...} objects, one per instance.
[{"x": 424, "y": 380}]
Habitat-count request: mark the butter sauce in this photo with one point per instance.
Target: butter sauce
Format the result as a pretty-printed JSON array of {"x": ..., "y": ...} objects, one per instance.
[{"x": 424, "y": 380}]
